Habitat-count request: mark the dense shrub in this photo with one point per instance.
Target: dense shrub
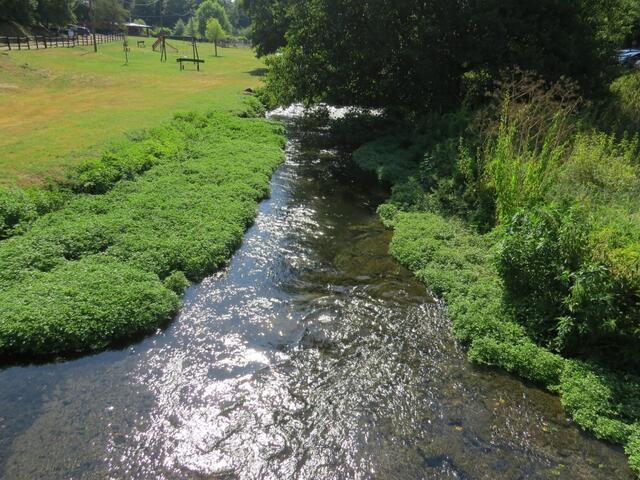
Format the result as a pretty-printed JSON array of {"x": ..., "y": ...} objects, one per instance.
[
  {"x": 633, "y": 449},
  {"x": 187, "y": 214},
  {"x": 458, "y": 264},
  {"x": 552, "y": 291},
  {"x": 20, "y": 207},
  {"x": 81, "y": 306}
]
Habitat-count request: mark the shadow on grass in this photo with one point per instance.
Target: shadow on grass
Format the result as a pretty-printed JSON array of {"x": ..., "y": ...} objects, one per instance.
[{"x": 258, "y": 72}]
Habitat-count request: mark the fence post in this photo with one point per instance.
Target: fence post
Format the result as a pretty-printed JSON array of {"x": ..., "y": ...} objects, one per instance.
[
  {"x": 44, "y": 39},
  {"x": 8, "y": 42},
  {"x": 19, "y": 46},
  {"x": 36, "y": 39}
]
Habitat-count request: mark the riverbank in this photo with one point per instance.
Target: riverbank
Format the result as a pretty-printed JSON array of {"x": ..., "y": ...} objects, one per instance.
[
  {"x": 526, "y": 222},
  {"x": 135, "y": 227},
  {"x": 459, "y": 266}
]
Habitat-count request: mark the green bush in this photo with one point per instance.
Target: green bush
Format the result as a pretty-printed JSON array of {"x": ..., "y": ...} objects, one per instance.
[
  {"x": 186, "y": 213},
  {"x": 81, "y": 306},
  {"x": 600, "y": 401},
  {"x": 20, "y": 207},
  {"x": 633, "y": 449},
  {"x": 176, "y": 282},
  {"x": 393, "y": 159},
  {"x": 458, "y": 264}
]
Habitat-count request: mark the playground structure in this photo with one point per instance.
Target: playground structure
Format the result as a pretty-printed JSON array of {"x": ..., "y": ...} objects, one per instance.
[
  {"x": 125, "y": 49},
  {"x": 162, "y": 43},
  {"x": 195, "y": 59}
]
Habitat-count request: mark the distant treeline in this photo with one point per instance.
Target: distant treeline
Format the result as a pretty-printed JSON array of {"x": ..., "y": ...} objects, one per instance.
[{"x": 184, "y": 17}]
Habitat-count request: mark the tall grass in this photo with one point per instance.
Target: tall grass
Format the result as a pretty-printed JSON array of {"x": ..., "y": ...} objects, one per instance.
[{"x": 521, "y": 172}]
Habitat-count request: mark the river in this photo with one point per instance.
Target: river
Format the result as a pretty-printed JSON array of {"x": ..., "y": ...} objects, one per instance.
[{"x": 313, "y": 356}]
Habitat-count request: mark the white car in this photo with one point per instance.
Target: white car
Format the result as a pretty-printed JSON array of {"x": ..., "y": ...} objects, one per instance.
[{"x": 629, "y": 57}]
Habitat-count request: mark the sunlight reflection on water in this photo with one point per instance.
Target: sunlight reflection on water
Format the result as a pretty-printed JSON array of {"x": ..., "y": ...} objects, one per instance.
[{"x": 313, "y": 356}]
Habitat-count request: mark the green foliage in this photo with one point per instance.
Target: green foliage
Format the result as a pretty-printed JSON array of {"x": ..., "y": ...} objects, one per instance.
[
  {"x": 393, "y": 159},
  {"x": 633, "y": 449},
  {"x": 55, "y": 12},
  {"x": 214, "y": 32},
  {"x": 106, "y": 13},
  {"x": 20, "y": 207},
  {"x": 20, "y": 11},
  {"x": 620, "y": 112},
  {"x": 186, "y": 213},
  {"x": 269, "y": 23},
  {"x": 211, "y": 9},
  {"x": 30, "y": 12},
  {"x": 191, "y": 28},
  {"x": 600, "y": 401},
  {"x": 361, "y": 53},
  {"x": 539, "y": 252},
  {"x": 601, "y": 170},
  {"x": 176, "y": 282},
  {"x": 179, "y": 28},
  {"x": 520, "y": 179},
  {"x": 81, "y": 306}
]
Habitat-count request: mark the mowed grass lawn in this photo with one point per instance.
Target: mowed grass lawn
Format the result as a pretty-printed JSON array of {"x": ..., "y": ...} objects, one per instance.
[{"x": 62, "y": 105}]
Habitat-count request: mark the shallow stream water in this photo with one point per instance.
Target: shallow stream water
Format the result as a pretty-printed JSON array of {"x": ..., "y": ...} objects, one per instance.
[{"x": 313, "y": 356}]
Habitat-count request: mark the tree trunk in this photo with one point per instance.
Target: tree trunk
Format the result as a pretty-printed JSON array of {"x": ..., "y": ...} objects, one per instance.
[{"x": 215, "y": 47}]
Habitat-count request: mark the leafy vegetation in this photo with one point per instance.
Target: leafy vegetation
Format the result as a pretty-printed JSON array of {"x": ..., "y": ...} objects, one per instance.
[
  {"x": 459, "y": 264},
  {"x": 421, "y": 55},
  {"x": 107, "y": 266},
  {"x": 525, "y": 219}
]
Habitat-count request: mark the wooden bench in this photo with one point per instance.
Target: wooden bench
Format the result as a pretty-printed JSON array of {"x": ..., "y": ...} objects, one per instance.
[
  {"x": 197, "y": 61},
  {"x": 141, "y": 44}
]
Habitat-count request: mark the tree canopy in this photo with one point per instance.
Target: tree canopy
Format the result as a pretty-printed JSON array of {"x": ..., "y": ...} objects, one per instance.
[
  {"x": 269, "y": 23},
  {"x": 211, "y": 9},
  {"x": 214, "y": 33},
  {"x": 418, "y": 54}
]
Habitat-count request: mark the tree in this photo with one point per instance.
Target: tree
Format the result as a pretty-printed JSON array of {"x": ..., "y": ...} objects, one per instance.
[
  {"x": 55, "y": 12},
  {"x": 191, "y": 28},
  {"x": 101, "y": 13},
  {"x": 211, "y": 9},
  {"x": 270, "y": 20},
  {"x": 19, "y": 11},
  {"x": 178, "y": 29},
  {"x": 215, "y": 33},
  {"x": 239, "y": 20},
  {"x": 335, "y": 51}
]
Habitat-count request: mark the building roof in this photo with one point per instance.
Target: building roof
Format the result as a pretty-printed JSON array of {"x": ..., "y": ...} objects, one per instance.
[{"x": 139, "y": 25}]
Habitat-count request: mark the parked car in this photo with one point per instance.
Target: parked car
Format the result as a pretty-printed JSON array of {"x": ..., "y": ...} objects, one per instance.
[
  {"x": 79, "y": 30},
  {"x": 629, "y": 57}
]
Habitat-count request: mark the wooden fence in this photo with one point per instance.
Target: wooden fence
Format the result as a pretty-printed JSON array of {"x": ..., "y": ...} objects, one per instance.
[{"x": 38, "y": 42}]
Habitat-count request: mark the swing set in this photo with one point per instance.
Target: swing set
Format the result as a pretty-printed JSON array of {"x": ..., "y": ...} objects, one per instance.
[
  {"x": 195, "y": 59},
  {"x": 161, "y": 45}
]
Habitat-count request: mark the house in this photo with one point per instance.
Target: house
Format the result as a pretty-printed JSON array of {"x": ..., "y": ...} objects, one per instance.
[{"x": 137, "y": 29}]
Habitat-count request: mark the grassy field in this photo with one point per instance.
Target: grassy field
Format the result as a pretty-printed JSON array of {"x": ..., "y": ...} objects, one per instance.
[{"x": 60, "y": 106}]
